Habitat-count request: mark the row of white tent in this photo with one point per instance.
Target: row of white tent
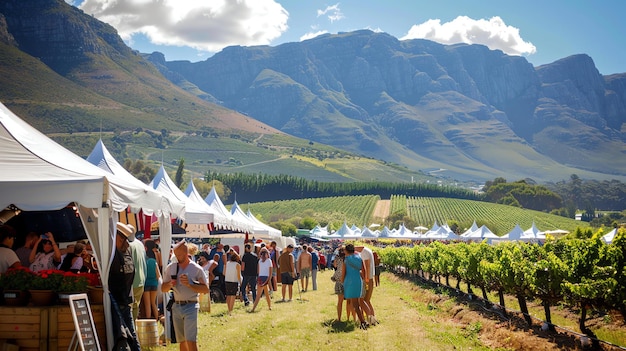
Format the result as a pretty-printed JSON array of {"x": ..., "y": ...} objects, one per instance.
[
  {"x": 40, "y": 175},
  {"x": 199, "y": 212},
  {"x": 436, "y": 232}
]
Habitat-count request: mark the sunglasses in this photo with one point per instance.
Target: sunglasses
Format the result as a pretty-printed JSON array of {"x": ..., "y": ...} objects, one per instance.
[{"x": 263, "y": 253}]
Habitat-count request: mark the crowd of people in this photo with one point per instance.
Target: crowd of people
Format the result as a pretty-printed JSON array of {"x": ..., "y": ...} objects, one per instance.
[
  {"x": 42, "y": 252},
  {"x": 136, "y": 276}
]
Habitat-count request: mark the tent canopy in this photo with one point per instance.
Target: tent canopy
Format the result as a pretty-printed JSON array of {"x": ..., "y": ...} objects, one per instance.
[{"x": 40, "y": 175}]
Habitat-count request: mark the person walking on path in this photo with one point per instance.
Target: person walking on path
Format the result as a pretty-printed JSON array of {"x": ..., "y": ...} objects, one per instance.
[
  {"x": 315, "y": 258},
  {"x": 187, "y": 279},
  {"x": 274, "y": 254},
  {"x": 287, "y": 270},
  {"x": 138, "y": 252},
  {"x": 304, "y": 267},
  {"x": 153, "y": 276},
  {"x": 250, "y": 269},
  {"x": 368, "y": 262},
  {"x": 336, "y": 277},
  {"x": 353, "y": 275},
  {"x": 264, "y": 279},
  {"x": 232, "y": 276}
]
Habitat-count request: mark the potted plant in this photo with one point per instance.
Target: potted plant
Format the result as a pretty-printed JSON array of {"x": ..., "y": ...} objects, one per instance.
[
  {"x": 72, "y": 283},
  {"x": 15, "y": 283},
  {"x": 44, "y": 286},
  {"x": 95, "y": 292}
]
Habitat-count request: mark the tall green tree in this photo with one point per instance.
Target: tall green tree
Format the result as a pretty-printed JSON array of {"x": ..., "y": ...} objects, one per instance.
[{"x": 180, "y": 172}]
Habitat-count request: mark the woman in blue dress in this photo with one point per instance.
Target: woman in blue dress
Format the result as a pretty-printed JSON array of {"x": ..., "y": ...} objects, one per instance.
[{"x": 352, "y": 277}]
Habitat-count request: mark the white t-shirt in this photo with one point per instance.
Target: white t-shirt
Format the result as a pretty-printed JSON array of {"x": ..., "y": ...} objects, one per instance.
[
  {"x": 265, "y": 268},
  {"x": 8, "y": 258},
  {"x": 231, "y": 272},
  {"x": 367, "y": 254}
]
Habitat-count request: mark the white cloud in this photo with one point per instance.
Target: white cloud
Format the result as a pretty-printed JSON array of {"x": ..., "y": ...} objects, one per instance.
[
  {"x": 203, "y": 25},
  {"x": 332, "y": 12},
  {"x": 493, "y": 33}
]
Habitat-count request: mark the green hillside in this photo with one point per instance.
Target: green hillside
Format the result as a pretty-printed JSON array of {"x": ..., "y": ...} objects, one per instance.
[
  {"x": 422, "y": 210},
  {"x": 227, "y": 152}
]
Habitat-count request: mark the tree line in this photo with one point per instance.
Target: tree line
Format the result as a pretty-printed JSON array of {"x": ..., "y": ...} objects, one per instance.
[{"x": 264, "y": 187}]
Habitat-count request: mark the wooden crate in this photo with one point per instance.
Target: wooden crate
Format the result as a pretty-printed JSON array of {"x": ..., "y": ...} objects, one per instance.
[
  {"x": 26, "y": 327},
  {"x": 61, "y": 327},
  {"x": 45, "y": 328}
]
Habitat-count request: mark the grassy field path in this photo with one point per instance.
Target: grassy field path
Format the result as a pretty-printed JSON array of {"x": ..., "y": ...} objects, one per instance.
[{"x": 411, "y": 318}]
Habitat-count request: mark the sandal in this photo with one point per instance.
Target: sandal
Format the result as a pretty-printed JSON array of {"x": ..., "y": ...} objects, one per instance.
[{"x": 363, "y": 325}]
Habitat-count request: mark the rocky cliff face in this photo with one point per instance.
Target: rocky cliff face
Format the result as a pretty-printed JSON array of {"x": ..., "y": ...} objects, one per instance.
[
  {"x": 58, "y": 34},
  {"x": 5, "y": 36},
  {"x": 372, "y": 93}
]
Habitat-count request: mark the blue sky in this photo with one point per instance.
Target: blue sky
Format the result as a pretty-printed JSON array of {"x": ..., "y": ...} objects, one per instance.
[{"x": 543, "y": 31}]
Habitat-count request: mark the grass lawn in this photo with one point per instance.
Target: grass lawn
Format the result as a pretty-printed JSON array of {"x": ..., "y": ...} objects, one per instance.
[
  {"x": 412, "y": 316},
  {"x": 407, "y": 322}
]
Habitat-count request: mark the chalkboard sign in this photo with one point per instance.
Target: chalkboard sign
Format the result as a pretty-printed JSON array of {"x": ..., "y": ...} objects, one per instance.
[{"x": 85, "y": 333}]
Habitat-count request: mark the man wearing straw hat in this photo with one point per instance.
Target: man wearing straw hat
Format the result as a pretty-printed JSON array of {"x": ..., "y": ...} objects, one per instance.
[
  {"x": 121, "y": 275},
  {"x": 188, "y": 280}
]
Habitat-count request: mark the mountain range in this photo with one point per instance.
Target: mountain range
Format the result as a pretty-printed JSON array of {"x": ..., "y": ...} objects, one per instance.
[{"x": 461, "y": 111}]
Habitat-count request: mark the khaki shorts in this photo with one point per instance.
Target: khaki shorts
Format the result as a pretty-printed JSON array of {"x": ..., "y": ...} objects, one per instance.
[{"x": 305, "y": 272}]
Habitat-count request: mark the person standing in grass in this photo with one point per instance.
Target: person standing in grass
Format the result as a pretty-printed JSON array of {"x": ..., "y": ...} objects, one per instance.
[
  {"x": 352, "y": 276},
  {"x": 250, "y": 269},
  {"x": 287, "y": 271},
  {"x": 376, "y": 268},
  {"x": 304, "y": 267},
  {"x": 336, "y": 277},
  {"x": 274, "y": 254},
  {"x": 232, "y": 276},
  {"x": 264, "y": 279},
  {"x": 153, "y": 276},
  {"x": 314, "y": 266},
  {"x": 366, "y": 303},
  {"x": 187, "y": 279}
]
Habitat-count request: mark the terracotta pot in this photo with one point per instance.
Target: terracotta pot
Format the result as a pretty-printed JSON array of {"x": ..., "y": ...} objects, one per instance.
[
  {"x": 42, "y": 297},
  {"x": 15, "y": 297},
  {"x": 64, "y": 297},
  {"x": 96, "y": 295}
]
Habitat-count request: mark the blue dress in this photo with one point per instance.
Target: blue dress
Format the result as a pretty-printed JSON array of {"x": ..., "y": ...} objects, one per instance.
[{"x": 353, "y": 284}]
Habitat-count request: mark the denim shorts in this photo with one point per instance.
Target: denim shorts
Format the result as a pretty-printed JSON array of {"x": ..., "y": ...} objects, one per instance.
[{"x": 185, "y": 320}]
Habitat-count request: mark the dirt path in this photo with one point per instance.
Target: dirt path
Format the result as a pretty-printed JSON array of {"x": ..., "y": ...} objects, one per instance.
[{"x": 382, "y": 209}]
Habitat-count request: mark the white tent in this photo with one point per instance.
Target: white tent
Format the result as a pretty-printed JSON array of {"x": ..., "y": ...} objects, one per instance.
[
  {"x": 40, "y": 175},
  {"x": 216, "y": 204},
  {"x": 442, "y": 233},
  {"x": 385, "y": 233},
  {"x": 102, "y": 158},
  {"x": 241, "y": 217},
  {"x": 319, "y": 232},
  {"x": 533, "y": 234},
  {"x": 481, "y": 234},
  {"x": 262, "y": 229},
  {"x": 403, "y": 233},
  {"x": 473, "y": 228},
  {"x": 368, "y": 233},
  {"x": 608, "y": 237},
  {"x": 214, "y": 201},
  {"x": 514, "y": 235},
  {"x": 343, "y": 232}
]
